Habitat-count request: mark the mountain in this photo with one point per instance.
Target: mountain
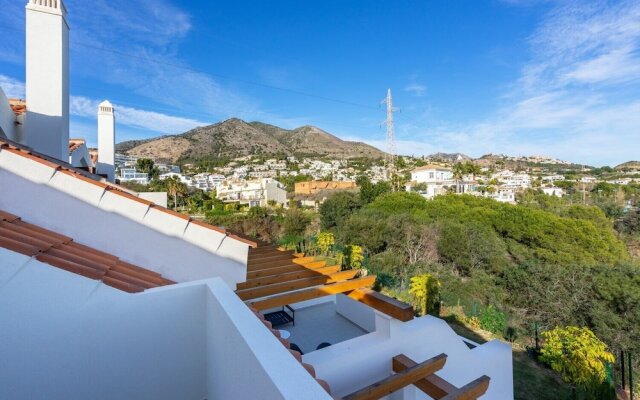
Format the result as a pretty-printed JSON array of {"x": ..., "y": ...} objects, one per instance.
[
  {"x": 449, "y": 157},
  {"x": 629, "y": 165},
  {"x": 235, "y": 138}
]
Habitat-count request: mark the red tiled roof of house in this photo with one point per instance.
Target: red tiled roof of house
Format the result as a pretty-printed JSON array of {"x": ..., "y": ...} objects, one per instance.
[
  {"x": 18, "y": 106},
  {"x": 93, "y": 153},
  {"x": 74, "y": 144},
  {"x": 62, "y": 252},
  {"x": 66, "y": 168}
]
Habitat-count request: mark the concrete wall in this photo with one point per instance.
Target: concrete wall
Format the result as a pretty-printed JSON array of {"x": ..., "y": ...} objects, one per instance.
[
  {"x": 356, "y": 312},
  {"x": 356, "y": 363},
  {"x": 146, "y": 236},
  {"x": 249, "y": 362},
  {"x": 65, "y": 336},
  {"x": 7, "y": 118}
]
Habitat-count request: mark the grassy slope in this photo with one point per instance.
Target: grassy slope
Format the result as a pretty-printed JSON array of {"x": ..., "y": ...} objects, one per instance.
[{"x": 530, "y": 379}]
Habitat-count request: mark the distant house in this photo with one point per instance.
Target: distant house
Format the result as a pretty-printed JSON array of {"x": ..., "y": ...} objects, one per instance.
[
  {"x": 553, "y": 191},
  {"x": 431, "y": 174},
  {"x": 253, "y": 193},
  {"x": 434, "y": 180},
  {"x": 314, "y": 193},
  {"x": 313, "y": 187}
]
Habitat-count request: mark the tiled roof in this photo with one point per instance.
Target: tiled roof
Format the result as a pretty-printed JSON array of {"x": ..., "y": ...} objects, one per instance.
[
  {"x": 75, "y": 144},
  {"x": 66, "y": 168},
  {"x": 62, "y": 252},
  {"x": 18, "y": 106},
  {"x": 93, "y": 153}
]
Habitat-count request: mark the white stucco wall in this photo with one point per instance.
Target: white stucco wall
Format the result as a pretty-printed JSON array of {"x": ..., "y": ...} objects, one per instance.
[
  {"x": 358, "y": 313},
  {"x": 65, "y": 336},
  {"x": 364, "y": 360},
  {"x": 145, "y": 236},
  {"x": 249, "y": 361},
  {"x": 7, "y": 118},
  {"x": 159, "y": 198}
]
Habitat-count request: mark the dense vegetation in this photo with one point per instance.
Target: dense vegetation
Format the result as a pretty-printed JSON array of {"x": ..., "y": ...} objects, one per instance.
[{"x": 505, "y": 268}]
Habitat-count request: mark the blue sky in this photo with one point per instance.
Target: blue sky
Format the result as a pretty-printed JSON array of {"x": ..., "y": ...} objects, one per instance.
[{"x": 520, "y": 77}]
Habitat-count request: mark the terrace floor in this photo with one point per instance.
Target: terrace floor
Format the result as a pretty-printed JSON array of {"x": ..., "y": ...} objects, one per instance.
[{"x": 320, "y": 323}]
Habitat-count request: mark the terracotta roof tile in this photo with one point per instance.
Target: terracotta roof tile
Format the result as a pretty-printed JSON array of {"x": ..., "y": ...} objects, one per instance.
[
  {"x": 75, "y": 144},
  {"x": 62, "y": 252},
  {"x": 18, "y": 106}
]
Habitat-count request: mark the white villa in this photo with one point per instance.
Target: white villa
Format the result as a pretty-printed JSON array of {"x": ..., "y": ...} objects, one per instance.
[
  {"x": 254, "y": 192},
  {"x": 106, "y": 295}
]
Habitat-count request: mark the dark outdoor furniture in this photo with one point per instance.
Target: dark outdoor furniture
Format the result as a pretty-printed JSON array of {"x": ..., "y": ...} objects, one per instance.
[
  {"x": 282, "y": 317},
  {"x": 295, "y": 347}
]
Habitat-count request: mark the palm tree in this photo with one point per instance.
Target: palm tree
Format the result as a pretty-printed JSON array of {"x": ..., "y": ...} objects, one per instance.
[
  {"x": 175, "y": 188},
  {"x": 458, "y": 173}
]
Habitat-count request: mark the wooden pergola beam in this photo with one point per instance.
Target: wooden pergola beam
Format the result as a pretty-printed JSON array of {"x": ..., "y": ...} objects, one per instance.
[
  {"x": 440, "y": 389},
  {"x": 385, "y": 304},
  {"x": 287, "y": 286},
  {"x": 399, "y": 380},
  {"x": 271, "y": 279},
  {"x": 274, "y": 271},
  {"x": 470, "y": 391},
  {"x": 432, "y": 385},
  {"x": 312, "y": 293}
]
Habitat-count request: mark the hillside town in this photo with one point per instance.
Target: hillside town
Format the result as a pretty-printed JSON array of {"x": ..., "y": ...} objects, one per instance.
[{"x": 258, "y": 181}]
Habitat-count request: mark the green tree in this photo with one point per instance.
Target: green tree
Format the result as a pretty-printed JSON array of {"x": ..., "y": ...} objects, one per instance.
[
  {"x": 147, "y": 166},
  {"x": 630, "y": 223},
  {"x": 576, "y": 354},
  {"x": 338, "y": 208},
  {"x": 175, "y": 188},
  {"x": 370, "y": 191},
  {"x": 295, "y": 222},
  {"x": 458, "y": 172}
]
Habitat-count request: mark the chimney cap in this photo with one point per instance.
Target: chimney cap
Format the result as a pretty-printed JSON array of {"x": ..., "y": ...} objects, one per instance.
[{"x": 105, "y": 106}]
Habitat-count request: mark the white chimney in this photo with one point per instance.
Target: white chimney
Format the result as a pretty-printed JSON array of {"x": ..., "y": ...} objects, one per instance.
[
  {"x": 106, "y": 141},
  {"x": 47, "y": 83}
]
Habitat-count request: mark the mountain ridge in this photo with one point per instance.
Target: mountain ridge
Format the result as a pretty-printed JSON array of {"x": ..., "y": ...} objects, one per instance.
[{"x": 235, "y": 138}]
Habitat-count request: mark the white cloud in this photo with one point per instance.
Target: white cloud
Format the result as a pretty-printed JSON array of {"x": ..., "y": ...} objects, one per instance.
[
  {"x": 577, "y": 98},
  {"x": 12, "y": 87},
  {"x": 416, "y": 89},
  {"x": 150, "y": 120}
]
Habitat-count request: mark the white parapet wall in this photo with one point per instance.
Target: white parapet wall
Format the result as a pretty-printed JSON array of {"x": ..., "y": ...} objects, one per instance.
[
  {"x": 8, "y": 126},
  {"x": 65, "y": 336},
  {"x": 359, "y": 362},
  {"x": 147, "y": 236}
]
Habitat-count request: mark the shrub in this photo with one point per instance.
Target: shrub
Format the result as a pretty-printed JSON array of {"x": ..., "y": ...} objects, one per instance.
[
  {"x": 353, "y": 257},
  {"x": 492, "y": 320},
  {"x": 295, "y": 222},
  {"x": 425, "y": 290},
  {"x": 325, "y": 242},
  {"x": 576, "y": 354}
]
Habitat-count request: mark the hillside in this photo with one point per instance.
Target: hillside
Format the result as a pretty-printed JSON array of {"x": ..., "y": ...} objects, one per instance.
[
  {"x": 235, "y": 138},
  {"x": 629, "y": 165}
]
